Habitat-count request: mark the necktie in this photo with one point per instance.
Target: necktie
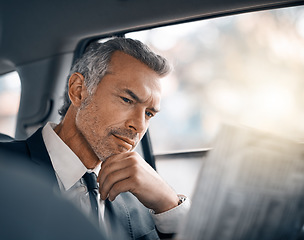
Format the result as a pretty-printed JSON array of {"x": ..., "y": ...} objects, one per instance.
[{"x": 91, "y": 181}]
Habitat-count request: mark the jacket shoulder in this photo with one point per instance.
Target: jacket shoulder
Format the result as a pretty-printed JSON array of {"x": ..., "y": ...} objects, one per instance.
[{"x": 13, "y": 149}]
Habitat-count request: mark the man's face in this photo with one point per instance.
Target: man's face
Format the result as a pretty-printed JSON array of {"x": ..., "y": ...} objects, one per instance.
[{"x": 117, "y": 114}]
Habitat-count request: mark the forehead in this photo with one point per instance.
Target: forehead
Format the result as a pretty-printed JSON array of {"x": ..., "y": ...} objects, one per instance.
[
  {"x": 120, "y": 62},
  {"x": 126, "y": 72}
]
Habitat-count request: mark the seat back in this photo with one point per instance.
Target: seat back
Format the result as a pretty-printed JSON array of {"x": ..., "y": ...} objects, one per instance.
[{"x": 5, "y": 138}]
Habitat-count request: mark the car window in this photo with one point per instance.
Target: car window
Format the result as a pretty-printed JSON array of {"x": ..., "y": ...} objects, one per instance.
[
  {"x": 246, "y": 69},
  {"x": 243, "y": 69},
  {"x": 10, "y": 90}
]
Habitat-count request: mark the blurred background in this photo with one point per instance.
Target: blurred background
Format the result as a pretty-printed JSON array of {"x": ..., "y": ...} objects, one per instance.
[
  {"x": 246, "y": 69},
  {"x": 10, "y": 91}
]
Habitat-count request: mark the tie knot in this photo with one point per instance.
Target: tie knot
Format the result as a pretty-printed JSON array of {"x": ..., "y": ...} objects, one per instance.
[{"x": 91, "y": 180}]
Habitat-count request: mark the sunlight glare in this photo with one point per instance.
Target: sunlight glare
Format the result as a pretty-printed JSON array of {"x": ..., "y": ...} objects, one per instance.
[{"x": 273, "y": 101}]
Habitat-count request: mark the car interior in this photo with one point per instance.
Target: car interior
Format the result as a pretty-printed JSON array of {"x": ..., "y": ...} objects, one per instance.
[{"x": 239, "y": 61}]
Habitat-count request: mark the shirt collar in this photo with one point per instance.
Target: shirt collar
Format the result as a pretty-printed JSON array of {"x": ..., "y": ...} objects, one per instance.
[{"x": 66, "y": 164}]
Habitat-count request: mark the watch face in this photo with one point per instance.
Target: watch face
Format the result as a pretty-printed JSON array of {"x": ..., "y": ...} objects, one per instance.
[{"x": 182, "y": 198}]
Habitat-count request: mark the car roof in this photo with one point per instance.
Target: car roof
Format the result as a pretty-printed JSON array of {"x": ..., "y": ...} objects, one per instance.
[
  {"x": 40, "y": 39},
  {"x": 34, "y": 30}
]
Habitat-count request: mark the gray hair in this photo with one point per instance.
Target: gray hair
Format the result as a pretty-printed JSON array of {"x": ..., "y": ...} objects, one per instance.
[{"x": 93, "y": 64}]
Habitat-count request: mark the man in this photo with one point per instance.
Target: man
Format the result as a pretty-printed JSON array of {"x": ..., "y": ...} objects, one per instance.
[{"x": 113, "y": 91}]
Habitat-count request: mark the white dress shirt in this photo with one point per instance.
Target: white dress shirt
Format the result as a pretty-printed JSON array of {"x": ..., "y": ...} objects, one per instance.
[{"x": 69, "y": 171}]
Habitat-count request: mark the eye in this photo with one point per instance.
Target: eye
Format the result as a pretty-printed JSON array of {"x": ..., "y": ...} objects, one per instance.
[
  {"x": 149, "y": 114},
  {"x": 126, "y": 100}
]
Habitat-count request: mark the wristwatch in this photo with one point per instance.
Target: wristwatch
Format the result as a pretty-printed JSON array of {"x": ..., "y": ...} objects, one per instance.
[{"x": 181, "y": 198}]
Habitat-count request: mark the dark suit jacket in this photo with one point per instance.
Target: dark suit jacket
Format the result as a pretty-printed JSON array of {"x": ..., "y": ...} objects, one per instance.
[{"x": 127, "y": 215}]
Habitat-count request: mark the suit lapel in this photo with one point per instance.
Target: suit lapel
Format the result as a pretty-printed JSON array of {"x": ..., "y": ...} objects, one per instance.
[
  {"x": 117, "y": 218},
  {"x": 127, "y": 216},
  {"x": 40, "y": 156}
]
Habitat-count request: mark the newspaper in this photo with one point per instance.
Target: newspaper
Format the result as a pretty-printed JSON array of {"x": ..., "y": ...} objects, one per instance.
[{"x": 251, "y": 187}]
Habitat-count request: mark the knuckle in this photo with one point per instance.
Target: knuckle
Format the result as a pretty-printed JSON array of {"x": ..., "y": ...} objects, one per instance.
[
  {"x": 135, "y": 169},
  {"x": 108, "y": 167},
  {"x": 115, "y": 190},
  {"x": 136, "y": 179},
  {"x": 133, "y": 154},
  {"x": 111, "y": 177}
]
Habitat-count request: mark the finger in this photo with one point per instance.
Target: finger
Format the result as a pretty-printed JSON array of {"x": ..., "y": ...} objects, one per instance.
[
  {"x": 111, "y": 179},
  {"x": 119, "y": 187},
  {"x": 110, "y": 168},
  {"x": 120, "y": 161},
  {"x": 112, "y": 160},
  {"x": 118, "y": 158}
]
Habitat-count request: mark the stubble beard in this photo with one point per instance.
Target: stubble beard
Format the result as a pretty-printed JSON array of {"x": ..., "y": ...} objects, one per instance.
[
  {"x": 102, "y": 146},
  {"x": 85, "y": 125}
]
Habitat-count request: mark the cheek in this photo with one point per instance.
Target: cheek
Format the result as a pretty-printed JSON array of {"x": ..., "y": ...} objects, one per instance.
[
  {"x": 99, "y": 116},
  {"x": 87, "y": 119},
  {"x": 91, "y": 127},
  {"x": 95, "y": 120},
  {"x": 84, "y": 114}
]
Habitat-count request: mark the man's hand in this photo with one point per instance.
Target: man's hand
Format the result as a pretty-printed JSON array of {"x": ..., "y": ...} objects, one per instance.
[{"x": 129, "y": 172}]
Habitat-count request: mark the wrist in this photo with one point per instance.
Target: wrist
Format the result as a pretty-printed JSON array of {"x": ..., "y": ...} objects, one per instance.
[
  {"x": 167, "y": 204},
  {"x": 171, "y": 220},
  {"x": 176, "y": 201}
]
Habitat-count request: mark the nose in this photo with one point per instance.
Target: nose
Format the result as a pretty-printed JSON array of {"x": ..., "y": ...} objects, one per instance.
[{"x": 137, "y": 122}]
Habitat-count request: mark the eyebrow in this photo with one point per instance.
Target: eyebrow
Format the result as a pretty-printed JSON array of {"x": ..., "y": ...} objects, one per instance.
[{"x": 137, "y": 99}]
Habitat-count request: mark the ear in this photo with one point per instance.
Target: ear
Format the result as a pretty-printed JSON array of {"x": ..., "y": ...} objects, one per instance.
[{"x": 77, "y": 89}]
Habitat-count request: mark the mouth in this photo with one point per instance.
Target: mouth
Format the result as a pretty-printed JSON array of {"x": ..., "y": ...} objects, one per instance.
[{"x": 128, "y": 143}]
